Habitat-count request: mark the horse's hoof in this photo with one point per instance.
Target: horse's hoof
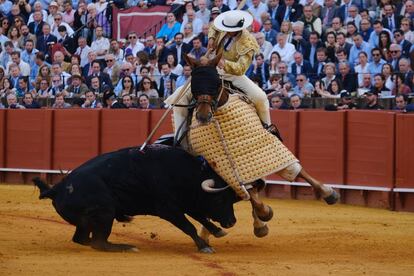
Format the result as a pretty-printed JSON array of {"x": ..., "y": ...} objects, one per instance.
[
  {"x": 261, "y": 232},
  {"x": 269, "y": 215},
  {"x": 207, "y": 250},
  {"x": 332, "y": 198},
  {"x": 220, "y": 234}
]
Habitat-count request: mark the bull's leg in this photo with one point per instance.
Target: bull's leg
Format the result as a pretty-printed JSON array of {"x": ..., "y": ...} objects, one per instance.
[
  {"x": 101, "y": 226},
  {"x": 327, "y": 193},
  {"x": 208, "y": 228},
  {"x": 82, "y": 235},
  {"x": 181, "y": 222},
  {"x": 264, "y": 212}
]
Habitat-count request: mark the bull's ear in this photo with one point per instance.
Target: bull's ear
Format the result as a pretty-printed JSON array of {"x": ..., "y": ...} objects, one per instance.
[
  {"x": 191, "y": 61},
  {"x": 216, "y": 59}
]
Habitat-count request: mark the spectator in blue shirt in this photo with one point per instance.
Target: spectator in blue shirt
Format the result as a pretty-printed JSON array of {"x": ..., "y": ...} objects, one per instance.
[{"x": 170, "y": 28}]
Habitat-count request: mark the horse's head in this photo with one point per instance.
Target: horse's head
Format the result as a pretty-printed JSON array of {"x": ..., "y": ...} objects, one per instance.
[{"x": 205, "y": 84}]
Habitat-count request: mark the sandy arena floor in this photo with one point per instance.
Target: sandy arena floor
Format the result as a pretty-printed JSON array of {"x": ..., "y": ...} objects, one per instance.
[{"x": 306, "y": 238}]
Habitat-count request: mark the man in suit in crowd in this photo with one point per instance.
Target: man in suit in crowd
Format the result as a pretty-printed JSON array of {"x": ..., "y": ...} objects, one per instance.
[
  {"x": 204, "y": 35},
  {"x": 104, "y": 78},
  {"x": 349, "y": 80},
  {"x": 405, "y": 44},
  {"x": 291, "y": 11},
  {"x": 167, "y": 81},
  {"x": 269, "y": 33},
  {"x": 391, "y": 20},
  {"x": 259, "y": 71},
  {"x": 328, "y": 12},
  {"x": 45, "y": 41},
  {"x": 311, "y": 48},
  {"x": 341, "y": 40},
  {"x": 300, "y": 66},
  {"x": 273, "y": 9},
  {"x": 179, "y": 48},
  {"x": 36, "y": 27},
  {"x": 77, "y": 88}
]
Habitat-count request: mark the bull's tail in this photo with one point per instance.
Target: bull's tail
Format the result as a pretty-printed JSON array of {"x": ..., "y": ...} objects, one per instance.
[{"x": 45, "y": 190}]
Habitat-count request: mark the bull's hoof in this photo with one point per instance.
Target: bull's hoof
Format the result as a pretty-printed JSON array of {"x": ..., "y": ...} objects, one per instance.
[
  {"x": 207, "y": 250},
  {"x": 267, "y": 217},
  {"x": 261, "y": 232},
  {"x": 332, "y": 198},
  {"x": 221, "y": 233}
]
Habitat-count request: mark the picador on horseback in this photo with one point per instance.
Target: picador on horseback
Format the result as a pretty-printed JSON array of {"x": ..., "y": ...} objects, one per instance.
[{"x": 225, "y": 129}]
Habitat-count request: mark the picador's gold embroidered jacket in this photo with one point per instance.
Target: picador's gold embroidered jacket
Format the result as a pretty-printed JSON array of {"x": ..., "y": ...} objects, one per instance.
[{"x": 240, "y": 55}]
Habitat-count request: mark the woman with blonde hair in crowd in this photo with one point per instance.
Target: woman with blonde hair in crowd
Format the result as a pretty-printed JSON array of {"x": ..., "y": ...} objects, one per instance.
[
  {"x": 286, "y": 28},
  {"x": 18, "y": 22},
  {"x": 146, "y": 87},
  {"x": 330, "y": 71},
  {"x": 189, "y": 35}
]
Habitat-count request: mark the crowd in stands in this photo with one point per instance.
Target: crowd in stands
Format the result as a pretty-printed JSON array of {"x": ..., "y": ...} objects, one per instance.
[{"x": 341, "y": 49}]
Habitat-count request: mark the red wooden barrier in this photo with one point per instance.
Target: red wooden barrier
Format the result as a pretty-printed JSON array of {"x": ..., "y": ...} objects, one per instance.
[
  {"x": 370, "y": 148},
  {"x": 286, "y": 122},
  {"x": 321, "y": 144},
  {"x": 404, "y": 168},
  {"x": 166, "y": 126},
  {"x": 404, "y": 171},
  {"x": 76, "y": 137},
  {"x": 123, "y": 128},
  {"x": 2, "y": 138},
  {"x": 28, "y": 138}
]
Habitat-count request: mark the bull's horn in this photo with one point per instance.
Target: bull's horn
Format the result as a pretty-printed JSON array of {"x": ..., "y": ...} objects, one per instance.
[{"x": 208, "y": 185}]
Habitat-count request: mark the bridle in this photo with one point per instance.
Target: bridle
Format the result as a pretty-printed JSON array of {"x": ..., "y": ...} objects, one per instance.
[{"x": 211, "y": 101}]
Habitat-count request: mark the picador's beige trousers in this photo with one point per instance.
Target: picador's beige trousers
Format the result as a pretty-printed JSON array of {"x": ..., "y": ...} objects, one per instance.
[{"x": 252, "y": 91}]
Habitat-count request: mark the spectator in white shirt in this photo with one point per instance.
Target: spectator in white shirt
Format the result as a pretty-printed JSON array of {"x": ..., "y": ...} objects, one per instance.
[
  {"x": 257, "y": 8},
  {"x": 203, "y": 13},
  {"x": 58, "y": 22},
  {"x": 83, "y": 51},
  {"x": 37, "y": 6},
  {"x": 101, "y": 44},
  {"x": 23, "y": 66},
  {"x": 284, "y": 48},
  {"x": 195, "y": 22},
  {"x": 134, "y": 44}
]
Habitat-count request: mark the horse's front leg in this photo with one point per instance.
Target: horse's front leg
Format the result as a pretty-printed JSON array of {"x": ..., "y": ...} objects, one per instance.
[
  {"x": 327, "y": 193},
  {"x": 264, "y": 212}
]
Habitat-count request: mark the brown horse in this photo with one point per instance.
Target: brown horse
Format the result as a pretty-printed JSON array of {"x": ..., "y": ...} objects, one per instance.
[{"x": 208, "y": 99}]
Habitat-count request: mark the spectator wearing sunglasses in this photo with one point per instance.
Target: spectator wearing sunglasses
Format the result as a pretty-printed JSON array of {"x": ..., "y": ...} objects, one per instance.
[{"x": 134, "y": 44}]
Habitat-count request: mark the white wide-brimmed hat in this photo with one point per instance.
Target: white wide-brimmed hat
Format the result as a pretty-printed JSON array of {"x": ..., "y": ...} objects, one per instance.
[{"x": 233, "y": 21}]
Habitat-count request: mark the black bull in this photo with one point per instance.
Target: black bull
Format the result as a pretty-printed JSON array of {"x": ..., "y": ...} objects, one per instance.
[{"x": 162, "y": 181}]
